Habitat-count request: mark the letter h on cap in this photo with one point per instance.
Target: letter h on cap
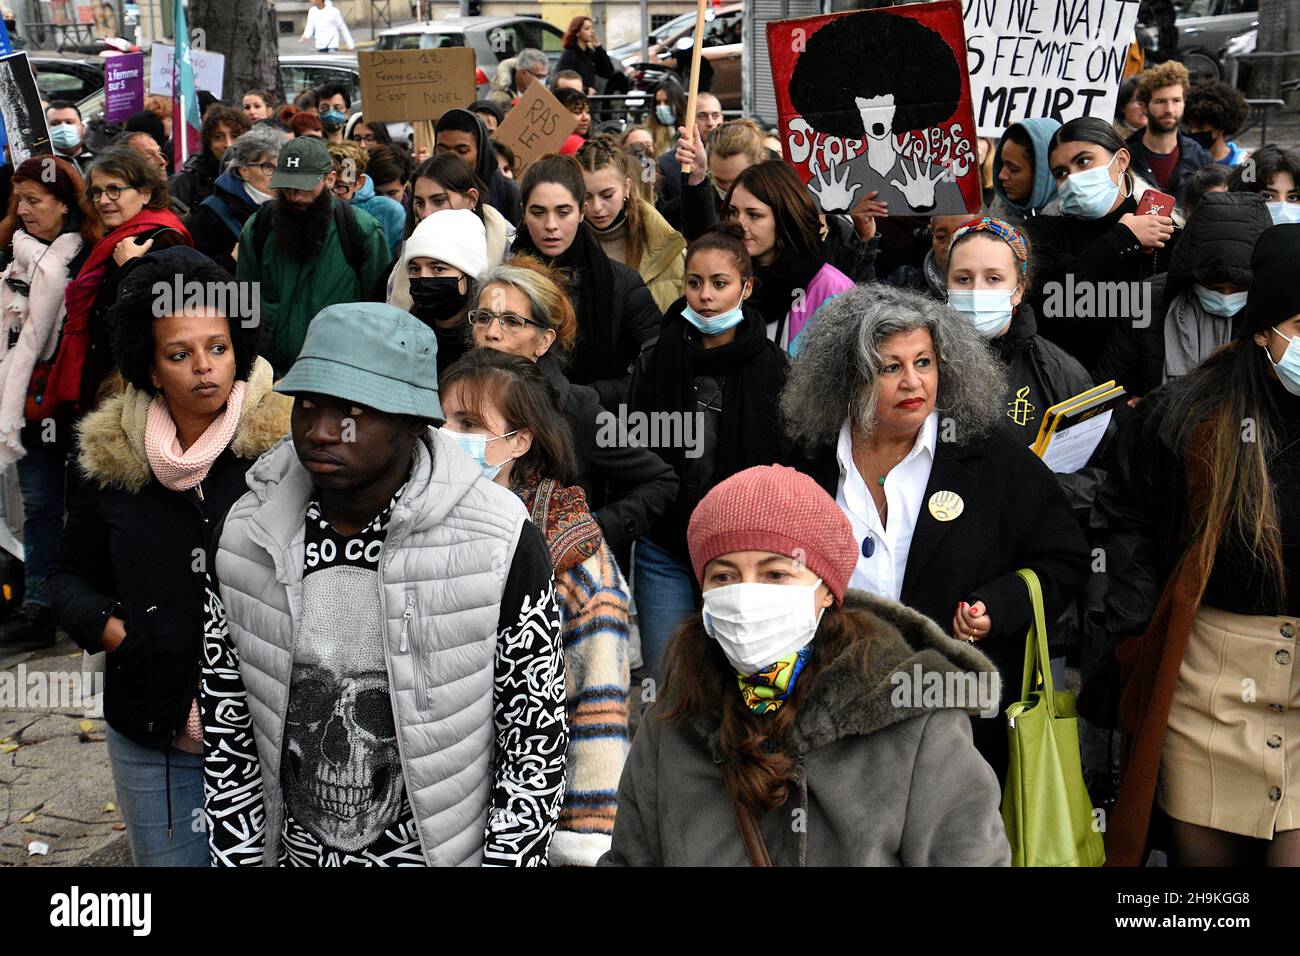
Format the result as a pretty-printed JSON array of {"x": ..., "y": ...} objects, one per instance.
[{"x": 292, "y": 162}]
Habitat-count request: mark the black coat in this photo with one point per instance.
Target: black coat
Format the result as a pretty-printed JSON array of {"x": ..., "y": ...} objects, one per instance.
[
  {"x": 194, "y": 182},
  {"x": 627, "y": 489},
  {"x": 1215, "y": 247},
  {"x": 1015, "y": 516},
  {"x": 140, "y": 550},
  {"x": 1075, "y": 255},
  {"x": 589, "y": 64},
  {"x": 1046, "y": 375},
  {"x": 211, "y": 235},
  {"x": 635, "y": 319},
  {"x": 1191, "y": 157}
]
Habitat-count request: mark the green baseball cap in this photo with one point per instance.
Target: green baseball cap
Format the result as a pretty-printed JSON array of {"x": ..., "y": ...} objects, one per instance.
[
  {"x": 370, "y": 353},
  {"x": 303, "y": 163}
]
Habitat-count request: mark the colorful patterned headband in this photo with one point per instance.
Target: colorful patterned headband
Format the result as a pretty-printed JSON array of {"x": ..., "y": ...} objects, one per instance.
[{"x": 1003, "y": 230}]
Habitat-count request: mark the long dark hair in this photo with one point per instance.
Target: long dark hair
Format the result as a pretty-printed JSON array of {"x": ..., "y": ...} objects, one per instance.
[
  {"x": 1208, "y": 409},
  {"x": 775, "y": 184},
  {"x": 451, "y": 173},
  {"x": 525, "y": 399},
  {"x": 700, "y": 687},
  {"x": 1090, "y": 129}
]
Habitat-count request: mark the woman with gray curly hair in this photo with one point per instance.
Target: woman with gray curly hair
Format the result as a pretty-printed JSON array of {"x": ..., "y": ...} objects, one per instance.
[
  {"x": 895, "y": 403},
  {"x": 244, "y": 185}
]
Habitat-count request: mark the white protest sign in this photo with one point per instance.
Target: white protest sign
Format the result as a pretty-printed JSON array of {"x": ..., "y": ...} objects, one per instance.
[
  {"x": 1058, "y": 58},
  {"x": 209, "y": 69}
]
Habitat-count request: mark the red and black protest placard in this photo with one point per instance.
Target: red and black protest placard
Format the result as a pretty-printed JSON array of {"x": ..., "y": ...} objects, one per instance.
[{"x": 879, "y": 101}]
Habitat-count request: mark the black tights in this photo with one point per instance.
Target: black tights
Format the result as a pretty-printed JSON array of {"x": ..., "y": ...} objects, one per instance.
[{"x": 1192, "y": 845}]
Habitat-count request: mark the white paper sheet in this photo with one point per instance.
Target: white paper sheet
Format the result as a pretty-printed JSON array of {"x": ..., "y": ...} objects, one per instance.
[{"x": 1070, "y": 448}]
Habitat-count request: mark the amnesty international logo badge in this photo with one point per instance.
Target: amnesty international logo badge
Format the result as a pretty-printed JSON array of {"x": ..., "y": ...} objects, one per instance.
[{"x": 1020, "y": 410}]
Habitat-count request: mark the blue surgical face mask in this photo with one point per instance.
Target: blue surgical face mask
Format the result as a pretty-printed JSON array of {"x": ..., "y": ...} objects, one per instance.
[
  {"x": 65, "y": 136},
  {"x": 332, "y": 118},
  {"x": 1288, "y": 369},
  {"x": 1089, "y": 194},
  {"x": 1284, "y": 212},
  {"x": 476, "y": 447},
  {"x": 664, "y": 114},
  {"x": 716, "y": 324},
  {"x": 989, "y": 310},
  {"x": 1223, "y": 304}
]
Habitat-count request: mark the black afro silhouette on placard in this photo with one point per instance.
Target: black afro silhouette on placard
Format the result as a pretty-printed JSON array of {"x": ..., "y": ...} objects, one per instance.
[{"x": 871, "y": 54}]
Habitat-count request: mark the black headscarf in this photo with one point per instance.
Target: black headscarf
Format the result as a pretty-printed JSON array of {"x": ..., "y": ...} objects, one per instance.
[
  {"x": 753, "y": 370},
  {"x": 775, "y": 289},
  {"x": 589, "y": 281}
]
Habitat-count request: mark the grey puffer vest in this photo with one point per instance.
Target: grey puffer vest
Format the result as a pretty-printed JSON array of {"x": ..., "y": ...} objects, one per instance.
[{"x": 450, "y": 544}]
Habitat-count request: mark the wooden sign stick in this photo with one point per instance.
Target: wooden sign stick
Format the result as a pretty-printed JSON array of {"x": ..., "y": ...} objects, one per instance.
[{"x": 696, "y": 50}]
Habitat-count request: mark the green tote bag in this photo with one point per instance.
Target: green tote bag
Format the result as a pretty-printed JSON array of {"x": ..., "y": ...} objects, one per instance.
[{"x": 1045, "y": 806}]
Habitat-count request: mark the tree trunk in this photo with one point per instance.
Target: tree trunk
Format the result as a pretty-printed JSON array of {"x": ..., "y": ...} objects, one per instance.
[
  {"x": 246, "y": 32},
  {"x": 1267, "y": 75}
]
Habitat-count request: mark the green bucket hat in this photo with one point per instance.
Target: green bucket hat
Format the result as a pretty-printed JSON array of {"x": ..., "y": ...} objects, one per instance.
[{"x": 372, "y": 354}]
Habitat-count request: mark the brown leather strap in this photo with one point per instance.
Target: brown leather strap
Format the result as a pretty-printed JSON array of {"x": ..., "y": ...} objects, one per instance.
[{"x": 755, "y": 848}]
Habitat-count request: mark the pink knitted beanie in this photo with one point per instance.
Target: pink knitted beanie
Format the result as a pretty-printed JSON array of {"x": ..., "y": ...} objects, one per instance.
[{"x": 780, "y": 510}]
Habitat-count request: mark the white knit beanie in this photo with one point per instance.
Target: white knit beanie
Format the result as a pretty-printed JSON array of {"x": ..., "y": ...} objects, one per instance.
[{"x": 453, "y": 236}]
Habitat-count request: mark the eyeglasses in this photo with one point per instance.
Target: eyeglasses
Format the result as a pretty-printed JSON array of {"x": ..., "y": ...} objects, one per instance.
[
  {"x": 114, "y": 193},
  {"x": 341, "y": 188},
  {"x": 508, "y": 320},
  {"x": 540, "y": 76},
  {"x": 368, "y": 138},
  {"x": 267, "y": 168}
]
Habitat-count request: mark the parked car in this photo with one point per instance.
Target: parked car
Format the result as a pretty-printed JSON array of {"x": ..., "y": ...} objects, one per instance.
[
  {"x": 722, "y": 34},
  {"x": 492, "y": 39},
  {"x": 1205, "y": 28},
  {"x": 67, "y": 76}
]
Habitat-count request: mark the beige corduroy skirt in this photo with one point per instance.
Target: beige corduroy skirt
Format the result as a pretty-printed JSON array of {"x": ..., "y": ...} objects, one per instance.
[{"x": 1231, "y": 758}]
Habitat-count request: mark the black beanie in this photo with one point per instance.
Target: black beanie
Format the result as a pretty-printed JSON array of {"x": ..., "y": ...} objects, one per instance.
[{"x": 1274, "y": 292}]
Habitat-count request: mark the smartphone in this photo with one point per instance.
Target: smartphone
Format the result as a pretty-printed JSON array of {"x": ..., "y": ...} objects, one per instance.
[{"x": 1156, "y": 203}]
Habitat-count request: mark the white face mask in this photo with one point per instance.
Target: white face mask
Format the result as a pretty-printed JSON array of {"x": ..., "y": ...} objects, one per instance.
[
  {"x": 757, "y": 624},
  {"x": 989, "y": 310},
  {"x": 1288, "y": 369}
]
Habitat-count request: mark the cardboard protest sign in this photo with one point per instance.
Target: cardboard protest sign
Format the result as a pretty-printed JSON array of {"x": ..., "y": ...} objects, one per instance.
[
  {"x": 536, "y": 125},
  {"x": 20, "y": 105},
  {"x": 878, "y": 101},
  {"x": 209, "y": 69},
  {"x": 411, "y": 85},
  {"x": 1057, "y": 58},
  {"x": 123, "y": 86}
]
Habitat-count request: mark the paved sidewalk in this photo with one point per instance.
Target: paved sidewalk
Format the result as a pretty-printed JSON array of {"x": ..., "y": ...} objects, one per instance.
[{"x": 56, "y": 787}]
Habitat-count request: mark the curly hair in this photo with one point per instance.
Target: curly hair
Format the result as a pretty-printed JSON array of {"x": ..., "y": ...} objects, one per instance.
[
  {"x": 1216, "y": 105},
  {"x": 236, "y": 121},
  {"x": 131, "y": 318},
  {"x": 1169, "y": 73},
  {"x": 836, "y": 372}
]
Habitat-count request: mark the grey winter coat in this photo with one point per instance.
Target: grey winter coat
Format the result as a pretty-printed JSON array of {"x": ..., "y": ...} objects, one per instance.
[{"x": 882, "y": 781}]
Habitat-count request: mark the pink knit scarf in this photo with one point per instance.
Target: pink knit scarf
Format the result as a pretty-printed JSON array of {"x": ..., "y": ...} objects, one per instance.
[{"x": 182, "y": 470}]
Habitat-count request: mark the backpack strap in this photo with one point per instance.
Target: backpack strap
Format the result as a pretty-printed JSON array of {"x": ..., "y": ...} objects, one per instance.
[
  {"x": 350, "y": 238},
  {"x": 344, "y": 220},
  {"x": 218, "y": 205}
]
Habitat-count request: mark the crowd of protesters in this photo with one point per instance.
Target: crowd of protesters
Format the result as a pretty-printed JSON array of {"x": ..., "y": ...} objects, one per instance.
[{"x": 582, "y": 512}]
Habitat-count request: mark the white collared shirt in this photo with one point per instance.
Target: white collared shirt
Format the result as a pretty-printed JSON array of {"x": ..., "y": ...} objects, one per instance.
[{"x": 882, "y": 573}]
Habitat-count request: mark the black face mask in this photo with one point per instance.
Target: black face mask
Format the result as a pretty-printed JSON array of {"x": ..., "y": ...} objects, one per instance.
[
  {"x": 1206, "y": 137},
  {"x": 436, "y": 300}
]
